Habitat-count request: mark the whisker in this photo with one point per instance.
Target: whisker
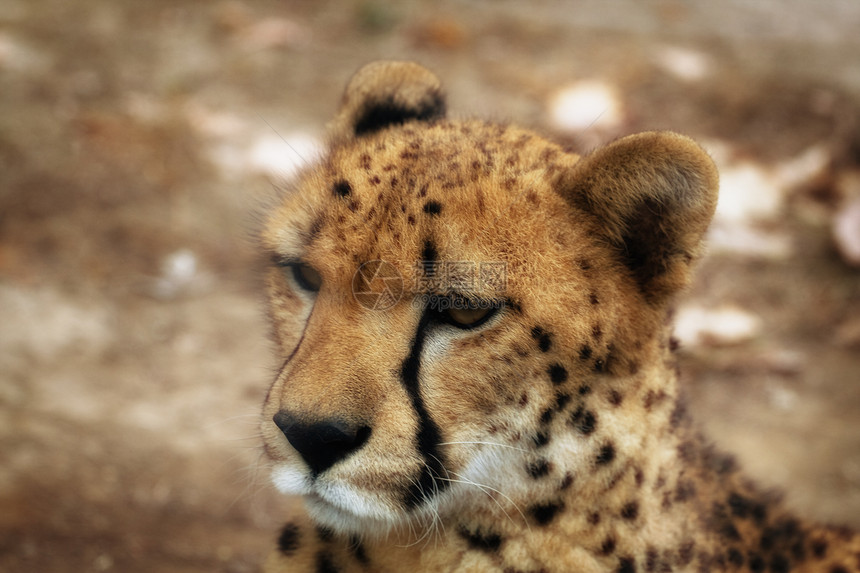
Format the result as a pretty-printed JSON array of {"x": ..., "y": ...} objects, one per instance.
[
  {"x": 486, "y": 444},
  {"x": 287, "y": 143},
  {"x": 486, "y": 490}
]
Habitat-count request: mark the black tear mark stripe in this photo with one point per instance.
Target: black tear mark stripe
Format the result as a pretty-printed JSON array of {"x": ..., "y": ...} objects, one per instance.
[
  {"x": 429, "y": 436},
  {"x": 429, "y": 253}
]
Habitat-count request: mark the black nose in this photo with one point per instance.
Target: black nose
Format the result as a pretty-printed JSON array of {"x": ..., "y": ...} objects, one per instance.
[{"x": 321, "y": 444}]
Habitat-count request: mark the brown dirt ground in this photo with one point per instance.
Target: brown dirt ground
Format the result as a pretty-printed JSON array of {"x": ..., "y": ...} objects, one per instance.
[{"x": 133, "y": 349}]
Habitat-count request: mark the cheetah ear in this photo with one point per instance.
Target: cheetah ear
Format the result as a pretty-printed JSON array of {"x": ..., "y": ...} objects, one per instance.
[
  {"x": 653, "y": 195},
  {"x": 383, "y": 94}
]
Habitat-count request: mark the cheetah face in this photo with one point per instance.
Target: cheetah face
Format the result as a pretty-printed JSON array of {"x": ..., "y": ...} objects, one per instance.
[{"x": 444, "y": 294}]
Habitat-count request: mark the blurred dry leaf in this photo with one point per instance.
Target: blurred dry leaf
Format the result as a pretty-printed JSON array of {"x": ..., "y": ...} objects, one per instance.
[{"x": 444, "y": 33}]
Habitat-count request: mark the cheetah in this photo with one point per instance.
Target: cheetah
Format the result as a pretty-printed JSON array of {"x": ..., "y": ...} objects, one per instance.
[{"x": 477, "y": 365}]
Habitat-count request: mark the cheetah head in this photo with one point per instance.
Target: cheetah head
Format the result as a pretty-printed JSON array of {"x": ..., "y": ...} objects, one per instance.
[{"x": 447, "y": 296}]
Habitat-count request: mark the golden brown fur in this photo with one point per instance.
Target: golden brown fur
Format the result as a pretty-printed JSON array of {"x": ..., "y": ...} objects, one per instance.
[{"x": 551, "y": 437}]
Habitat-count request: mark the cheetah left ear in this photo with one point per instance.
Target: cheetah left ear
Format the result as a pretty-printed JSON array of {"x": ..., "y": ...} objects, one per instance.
[
  {"x": 653, "y": 195},
  {"x": 384, "y": 94}
]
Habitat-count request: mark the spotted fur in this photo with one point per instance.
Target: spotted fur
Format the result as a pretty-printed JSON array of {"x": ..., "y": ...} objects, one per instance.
[{"x": 535, "y": 424}]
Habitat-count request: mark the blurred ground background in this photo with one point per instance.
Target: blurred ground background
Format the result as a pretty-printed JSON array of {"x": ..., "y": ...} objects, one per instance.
[{"x": 137, "y": 139}]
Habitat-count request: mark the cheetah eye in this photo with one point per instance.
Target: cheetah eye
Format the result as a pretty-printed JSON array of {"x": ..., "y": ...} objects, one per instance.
[
  {"x": 463, "y": 312},
  {"x": 468, "y": 317},
  {"x": 305, "y": 275}
]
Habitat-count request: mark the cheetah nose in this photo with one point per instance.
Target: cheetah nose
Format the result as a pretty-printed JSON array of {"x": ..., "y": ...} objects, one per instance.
[{"x": 321, "y": 444}]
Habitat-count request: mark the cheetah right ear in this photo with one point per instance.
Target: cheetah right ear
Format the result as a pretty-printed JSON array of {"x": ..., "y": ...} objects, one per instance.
[
  {"x": 384, "y": 94},
  {"x": 653, "y": 196}
]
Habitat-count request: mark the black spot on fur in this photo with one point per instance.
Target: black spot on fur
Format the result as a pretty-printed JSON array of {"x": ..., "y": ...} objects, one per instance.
[
  {"x": 798, "y": 552},
  {"x": 599, "y": 365},
  {"x": 615, "y": 398},
  {"x": 585, "y": 352},
  {"x": 679, "y": 414},
  {"x": 432, "y": 207},
  {"x": 705, "y": 561},
  {"x": 357, "y": 548},
  {"x": 541, "y": 439},
  {"x": 756, "y": 563},
  {"x": 557, "y": 373},
  {"x": 684, "y": 490},
  {"x": 650, "y": 398},
  {"x": 584, "y": 421},
  {"x": 685, "y": 553},
  {"x": 736, "y": 558},
  {"x": 566, "y": 482},
  {"x": 539, "y": 469},
  {"x": 593, "y": 518},
  {"x": 561, "y": 401},
  {"x": 546, "y": 416},
  {"x": 606, "y": 455},
  {"x": 587, "y": 424},
  {"x": 584, "y": 390},
  {"x": 838, "y": 569},
  {"x": 324, "y": 563},
  {"x": 324, "y": 533},
  {"x": 489, "y": 542},
  {"x": 608, "y": 546},
  {"x": 342, "y": 188},
  {"x": 543, "y": 338},
  {"x": 316, "y": 227},
  {"x": 779, "y": 564},
  {"x": 545, "y": 512},
  {"x": 630, "y": 511},
  {"x": 686, "y": 451},
  {"x": 627, "y": 565},
  {"x": 722, "y": 523},
  {"x": 384, "y": 113},
  {"x": 757, "y": 512},
  {"x": 650, "y": 559},
  {"x": 288, "y": 540},
  {"x": 819, "y": 548}
]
